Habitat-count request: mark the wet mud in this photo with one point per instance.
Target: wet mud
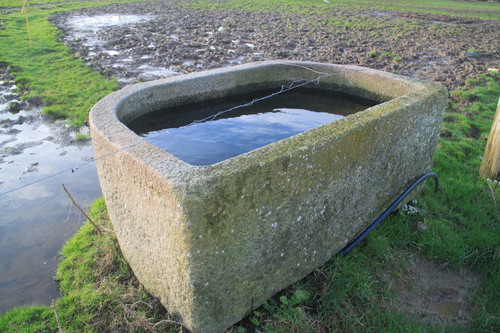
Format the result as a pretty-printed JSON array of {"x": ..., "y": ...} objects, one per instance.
[
  {"x": 172, "y": 40},
  {"x": 431, "y": 293}
]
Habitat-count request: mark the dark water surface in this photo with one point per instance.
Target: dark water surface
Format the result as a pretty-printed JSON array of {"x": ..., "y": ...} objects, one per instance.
[
  {"x": 37, "y": 220},
  {"x": 241, "y": 130}
]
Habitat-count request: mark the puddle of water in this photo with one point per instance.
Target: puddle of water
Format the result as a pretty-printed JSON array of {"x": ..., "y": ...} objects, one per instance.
[
  {"x": 111, "y": 52},
  {"x": 443, "y": 23},
  {"x": 9, "y": 116},
  {"x": 148, "y": 70},
  {"x": 94, "y": 23},
  {"x": 243, "y": 129},
  {"x": 393, "y": 15},
  {"x": 448, "y": 309},
  {"x": 36, "y": 221},
  {"x": 87, "y": 28},
  {"x": 28, "y": 134},
  {"x": 432, "y": 65},
  {"x": 4, "y": 138},
  {"x": 383, "y": 14}
]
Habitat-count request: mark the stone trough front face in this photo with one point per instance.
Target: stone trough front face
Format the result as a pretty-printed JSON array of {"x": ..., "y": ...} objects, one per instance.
[{"x": 212, "y": 241}]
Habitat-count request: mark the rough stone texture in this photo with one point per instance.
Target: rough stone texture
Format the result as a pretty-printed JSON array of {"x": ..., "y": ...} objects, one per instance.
[{"x": 209, "y": 241}]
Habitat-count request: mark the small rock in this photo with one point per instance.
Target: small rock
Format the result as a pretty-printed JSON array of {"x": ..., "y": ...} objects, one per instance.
[
  {"x": 8, "y": 76},
  {"x": 15, "y": 106},
  {"x": 422, "y": 226},
  {"x": 32, "y": 167},
  {"x": 84, "y": 130},
  {"x": 448, "y": 309},
  {"x": 35, "y": 101}
]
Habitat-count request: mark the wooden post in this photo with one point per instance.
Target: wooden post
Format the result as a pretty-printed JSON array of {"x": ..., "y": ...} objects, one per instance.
[{"x": 490, "y": 168}]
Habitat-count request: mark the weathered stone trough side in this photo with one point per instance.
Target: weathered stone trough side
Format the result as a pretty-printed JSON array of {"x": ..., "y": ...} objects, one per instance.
[{"x": 210, "y": 241}]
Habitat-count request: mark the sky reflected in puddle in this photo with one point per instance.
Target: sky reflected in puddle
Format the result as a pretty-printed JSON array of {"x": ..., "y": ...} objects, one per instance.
[{"x": 36, "y": 220}]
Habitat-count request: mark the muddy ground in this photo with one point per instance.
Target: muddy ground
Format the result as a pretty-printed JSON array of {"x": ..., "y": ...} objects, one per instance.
[{"x": 447, "y": 50}]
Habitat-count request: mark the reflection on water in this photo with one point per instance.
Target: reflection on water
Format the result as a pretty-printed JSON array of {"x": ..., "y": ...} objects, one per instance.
[
  {"x": 36, "y": 221},
  {"x": 96, "y": 22},
  {"x": 449, "y": 309},
  {"x": 241, "y": 130}
]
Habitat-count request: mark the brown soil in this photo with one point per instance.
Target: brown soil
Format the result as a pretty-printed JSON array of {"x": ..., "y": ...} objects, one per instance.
[
  {"x": 431, "y": 293},
  {"x": 443, "y": 49}
]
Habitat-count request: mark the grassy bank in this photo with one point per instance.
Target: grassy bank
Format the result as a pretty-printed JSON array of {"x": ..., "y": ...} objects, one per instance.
[
  {"x": 457, "y": 229},
  {"x": 44, "y": 67}
]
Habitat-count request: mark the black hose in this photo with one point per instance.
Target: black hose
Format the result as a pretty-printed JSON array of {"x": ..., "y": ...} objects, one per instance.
[{"x": 390, "y": 209}]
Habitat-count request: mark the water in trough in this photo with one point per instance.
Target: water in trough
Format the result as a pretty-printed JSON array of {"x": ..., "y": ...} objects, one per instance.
[{"x": 179, "y": 130}]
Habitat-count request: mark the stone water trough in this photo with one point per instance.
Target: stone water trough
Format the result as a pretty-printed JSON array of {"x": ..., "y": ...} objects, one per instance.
[{"x": 212, "y": 241}]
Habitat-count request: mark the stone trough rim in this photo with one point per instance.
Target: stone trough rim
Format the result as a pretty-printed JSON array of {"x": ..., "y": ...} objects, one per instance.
[{"x": 117, "y": 132}]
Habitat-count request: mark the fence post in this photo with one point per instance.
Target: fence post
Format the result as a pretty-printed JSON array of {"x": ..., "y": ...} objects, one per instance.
[{"x": 490, "y": 167}]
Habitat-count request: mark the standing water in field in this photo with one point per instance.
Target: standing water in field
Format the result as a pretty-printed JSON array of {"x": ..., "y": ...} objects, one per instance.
[{"x": 191, "y": 133}]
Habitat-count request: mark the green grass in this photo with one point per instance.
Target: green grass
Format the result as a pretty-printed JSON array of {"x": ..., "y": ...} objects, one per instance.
[
  {"x": 479, "y": 10},
  {"x": 375, "y": 54},
  {"x": 46, "y": 68}
]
